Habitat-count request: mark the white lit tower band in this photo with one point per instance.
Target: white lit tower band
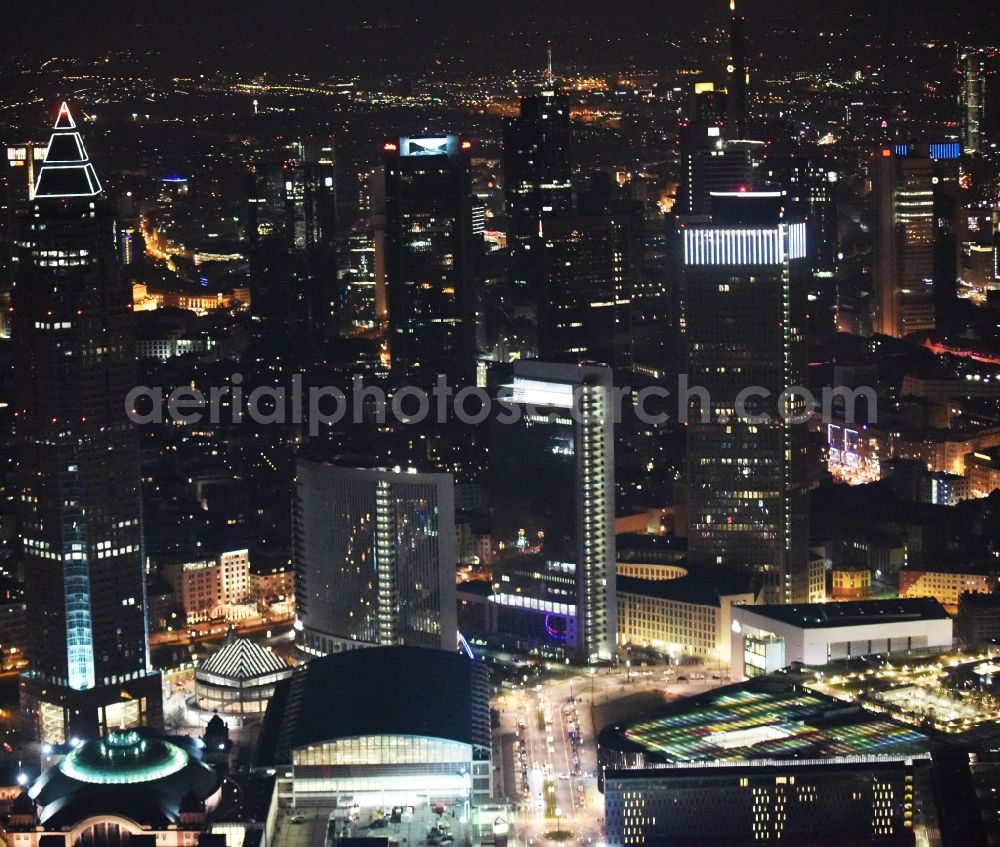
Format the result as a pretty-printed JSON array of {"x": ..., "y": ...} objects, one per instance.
[{"x": 79, "y": 510}]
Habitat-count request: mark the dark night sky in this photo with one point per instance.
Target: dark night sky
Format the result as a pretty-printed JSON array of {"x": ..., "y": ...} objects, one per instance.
[{"x": 334, "y": 35}]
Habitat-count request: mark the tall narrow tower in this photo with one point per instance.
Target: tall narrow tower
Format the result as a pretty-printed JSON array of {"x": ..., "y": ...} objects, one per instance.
[
  {"x": 429, "y": 257},
  {"x": 739, "y": 73},
  {"x": 79, "y": 505}
]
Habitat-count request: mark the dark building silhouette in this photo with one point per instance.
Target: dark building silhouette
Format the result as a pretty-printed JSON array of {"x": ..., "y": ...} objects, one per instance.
[
  {"x": 536, "y": 177},
  {"x": 738, "y": 71},
  {"x": 585, "y": 302},
  {"x": 292, "y": 229},
  {"x": 429, "y": 257}
]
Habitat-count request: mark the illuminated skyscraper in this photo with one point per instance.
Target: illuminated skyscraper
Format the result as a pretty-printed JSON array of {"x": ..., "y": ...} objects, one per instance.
[
  {"x": 429, "y": 258},
  {"x": 916, "y": 236},
  {"x": 745, "y": 276},
  {"x": 79, "y": 517},
  {"x": 979, "y": 97},
  {"x": 374, "y": 553},
  {"x": 552, "y": 481}
]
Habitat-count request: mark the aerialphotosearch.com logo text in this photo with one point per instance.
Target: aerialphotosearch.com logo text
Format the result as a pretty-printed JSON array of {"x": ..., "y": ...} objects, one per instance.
[{"x": 324, "y": 406}]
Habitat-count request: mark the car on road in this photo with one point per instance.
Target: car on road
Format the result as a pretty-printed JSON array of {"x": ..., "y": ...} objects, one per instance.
[{"x": 297, "y": 819}]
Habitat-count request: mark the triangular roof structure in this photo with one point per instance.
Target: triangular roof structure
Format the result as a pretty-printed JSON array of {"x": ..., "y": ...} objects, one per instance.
[
  {"x": 66, "y": 171},
  {"x": 243, "y": 659}
]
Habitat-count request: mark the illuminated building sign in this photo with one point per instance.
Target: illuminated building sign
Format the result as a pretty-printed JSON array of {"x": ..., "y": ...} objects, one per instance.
[
  {"x": 433, "y": 145},
  {"x": 534, "y": 392}
]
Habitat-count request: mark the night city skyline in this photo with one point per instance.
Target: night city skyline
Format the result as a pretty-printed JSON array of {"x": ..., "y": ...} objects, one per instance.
[{"x": 531, "y": 425}]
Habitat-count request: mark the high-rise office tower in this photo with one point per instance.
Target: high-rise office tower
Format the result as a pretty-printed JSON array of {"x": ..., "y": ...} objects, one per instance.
[
  {"x": 366, "y": 303},
  {"x": 374, "y": 553},
  {"x": 293, "y": 192},
  {"x": 293, "y": 204},
  {"x": 916, "y": 236},
  {"x": 78, "y": 458},
  {"x": 17, "y": 181},
  {"x": 552, "y": 482},
  {"x": 711, "y": 163},
  {"x": 429, "y": 257},
  {"x": 810, "y": 177},
  {"x": 744, "y": 280},
  {"x": 585, "y": 301},
  {"x": 707, "y": 105},
  {"x": 536, "y": 149},
  {"x": 979, "y": 97},
  {"x": 738, "y": 71}
]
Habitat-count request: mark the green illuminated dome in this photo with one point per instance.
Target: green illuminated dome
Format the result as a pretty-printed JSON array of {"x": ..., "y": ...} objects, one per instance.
[
  {"x": 124, "y": 757},
  {"x": 135, "y": 774}
]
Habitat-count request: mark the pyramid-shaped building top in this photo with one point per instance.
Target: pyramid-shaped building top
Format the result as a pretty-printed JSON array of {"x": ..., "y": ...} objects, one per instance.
[
  {"x": 243, "y": 659},
  {"x": 66, "y": 171}
]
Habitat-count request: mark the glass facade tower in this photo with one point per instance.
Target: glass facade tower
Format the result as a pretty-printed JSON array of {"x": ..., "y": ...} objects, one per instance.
[{"x": 374, "y": 553}]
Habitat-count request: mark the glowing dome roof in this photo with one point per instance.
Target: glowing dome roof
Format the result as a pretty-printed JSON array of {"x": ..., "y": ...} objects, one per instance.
[
  {"x": 124, "y": 757},
  {"x": 133, "y": 773}
]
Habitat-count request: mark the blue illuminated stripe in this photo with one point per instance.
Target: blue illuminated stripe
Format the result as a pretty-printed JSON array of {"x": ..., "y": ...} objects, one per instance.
[{"x": 946, "y": 150}]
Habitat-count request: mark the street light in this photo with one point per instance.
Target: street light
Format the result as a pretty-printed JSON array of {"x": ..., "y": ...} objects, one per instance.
[{"x": 558, "y": 824}]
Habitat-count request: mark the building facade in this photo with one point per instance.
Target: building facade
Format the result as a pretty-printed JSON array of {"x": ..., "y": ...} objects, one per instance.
[
  {"x": 768, "y": 638},
  {"x": 213, "y": 589},
  {"x": 334, "y": 724},
  {"x": 766, "y": 762},
  {"x": 744, "y": 283},
  {"x": 79, "y": 506},
  {"x": 945, "y": 585},
  {"x": 916, "y": 246},
  {"x": 585, "y": 302},
  {"x": 871, "y": 802},
  {"x": 686, "y": 616},
  {"x": 552, "y": 473},
  {"x": 429, "y": 260},
  {"x": 979, "y": 97},
  {"x": 375, "y": 558},
  {"x": 537, "y": 185}
]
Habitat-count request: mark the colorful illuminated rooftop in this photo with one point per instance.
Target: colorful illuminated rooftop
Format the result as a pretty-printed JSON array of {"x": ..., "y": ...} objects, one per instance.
[{"x": 761, "y": 723}]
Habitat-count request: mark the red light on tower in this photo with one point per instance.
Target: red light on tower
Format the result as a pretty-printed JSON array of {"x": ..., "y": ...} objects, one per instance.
[{"x": 64, "y": 120}]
